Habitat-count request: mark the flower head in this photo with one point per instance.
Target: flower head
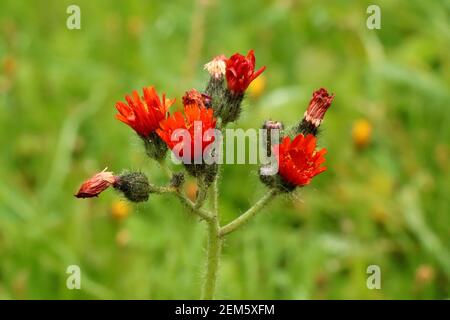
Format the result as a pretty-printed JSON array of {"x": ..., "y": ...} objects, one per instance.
[
  {"x": 240, "y": 71},
  {"x": 319, "y": 104},
  {"x": 197, "y": 120},
  {"x": 217, "y": 66},
  {"x": 298, "y": 161},
  {"x": 97, "y": 184},
  {"x": 361, "y": 133},
  {"x": 193, "y": 97},
  {"x": 143, "y": 114}
]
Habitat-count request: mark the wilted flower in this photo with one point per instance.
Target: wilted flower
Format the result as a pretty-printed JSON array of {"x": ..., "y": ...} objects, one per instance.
[
  {"x": 240, "y": 71},
  {"x": 217, "y": 66},
  {"x": 193, "y": 97},
  {"x": 97, "y": 184}
]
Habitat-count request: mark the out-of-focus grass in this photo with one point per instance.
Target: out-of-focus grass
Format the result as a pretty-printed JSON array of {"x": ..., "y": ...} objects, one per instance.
[{"x": 385, "y": 204}]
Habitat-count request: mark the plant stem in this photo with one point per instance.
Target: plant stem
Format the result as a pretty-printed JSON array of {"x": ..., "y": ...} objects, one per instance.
[
  {"x": 203, "y": 214},
  {"x": 213, "y": 257},
  {"x": 250, "y": 213},
  {"x": 214, "y": 248},
  {"x": 202, "y": 193}
]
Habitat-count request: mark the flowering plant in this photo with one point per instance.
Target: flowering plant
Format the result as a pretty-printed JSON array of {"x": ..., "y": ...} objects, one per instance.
[{"x": 294, "y": 151}]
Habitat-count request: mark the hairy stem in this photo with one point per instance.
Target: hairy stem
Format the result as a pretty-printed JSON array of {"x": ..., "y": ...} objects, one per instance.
[
  {"x": 203, "y": 214},
  {"x": 213, "y": 249},
  {"x": 212, "y": 260},
  {"x": 202, "y": 193},
  {"x": 248, "y": 215}
]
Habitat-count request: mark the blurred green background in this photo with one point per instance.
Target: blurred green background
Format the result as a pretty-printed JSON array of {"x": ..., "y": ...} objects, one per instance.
[{"x": 383, "y": 200}]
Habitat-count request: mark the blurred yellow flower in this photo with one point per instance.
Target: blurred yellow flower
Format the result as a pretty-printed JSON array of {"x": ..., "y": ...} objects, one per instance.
[
  {"x": 425, "y": 274},
  {"x": 257, "y": 87},
  {"x": 120, "y": 209},
  {"x": 135, "y": 25},
  {"x": 362, "y": 132},
  {"x": 9, "y": 65}
]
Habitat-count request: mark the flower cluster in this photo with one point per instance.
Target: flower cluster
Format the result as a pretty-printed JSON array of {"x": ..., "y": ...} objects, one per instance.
[
  {"x": 148, "y": 115},
  {"x": 193, "y": 134}
]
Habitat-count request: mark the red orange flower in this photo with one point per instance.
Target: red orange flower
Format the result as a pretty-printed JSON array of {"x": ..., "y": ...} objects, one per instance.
[
  {"x": 298, "y": 161},
  {"x": 143, "y": 114},
  {"x": 196, "y": 121},
  {"x": 319, "y": 104},
  {"x": 97, "y": 184},
  {"x": 240, "y": 71}
]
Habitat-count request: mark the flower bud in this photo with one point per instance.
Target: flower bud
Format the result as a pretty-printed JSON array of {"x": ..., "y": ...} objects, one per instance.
[
  {"x": 207, "y": 172},
  {"x": 270, "y": 126},
  {"x": 216, "y": 90},
  {"x": 318, "y": 106},
  {"x": 96, "y": 185},
  {"x": 230, "y": 107},
  {"x": 134, "y": 186}
]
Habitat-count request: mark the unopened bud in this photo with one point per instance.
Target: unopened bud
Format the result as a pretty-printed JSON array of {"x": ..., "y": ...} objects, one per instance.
[
  {"x": 96, "y": 185},
  {"x": 207, "y": 172},
  {"x": 272, "y": 127},
  {"x": 226, "y": 104},
  {"x": 313, "y": 117},
  {"x": 134, "y": 186}
]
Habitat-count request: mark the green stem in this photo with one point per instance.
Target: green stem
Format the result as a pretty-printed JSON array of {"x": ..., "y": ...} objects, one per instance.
[
  {"x": 202, "y": 193},
  {"x": 213, "y": 257},
  {"x": 250, "y": 213},
  {"x": 214, "y": 247},
  {"x": 203, "y": 214}
]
